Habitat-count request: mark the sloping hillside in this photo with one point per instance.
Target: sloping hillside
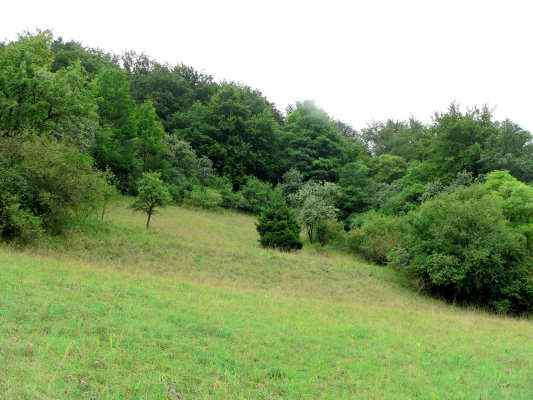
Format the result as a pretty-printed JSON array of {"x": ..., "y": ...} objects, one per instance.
[{"x": 195, "y": 309}]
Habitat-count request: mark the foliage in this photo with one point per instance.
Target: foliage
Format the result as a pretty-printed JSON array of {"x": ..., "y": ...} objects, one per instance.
[
  {"x": 172, "y": 89},
  {"x": 292, "y": 181},
  {"x": 331, "y": 231},
  {"x": 408, "y": 140},
  {"x": 517, "y": 202},
  {"x": 356, "y": 188},
  {"x": 33, "y": 98},
  {"x": 67, "y": 54},
  {"x": 257, "y": 195},
  {"x": 278, "y": 227},
  {"x": 152, "y": 194},
  {"x": 182, "y": 163},
  {"x": 463, "y": 246},
  {"x": 44, "y": 184},
  {"x": 230, "y": 198},
  {"x": 387, "y": 168},
  {"x": 406, "y": 193},
  {"x": 375, "y": 236},
  {"x": 237, "y": 129},
  {"x": 203, "y": 197},
  {"x": 17, "y": 224},
  {"x": 472, "y": 141},
  {"x": 314, "y": 144},
  {"x": 315, "y": 203},
  {"x": 108, "y": 192},
  {"x": 150, "y": 137}
]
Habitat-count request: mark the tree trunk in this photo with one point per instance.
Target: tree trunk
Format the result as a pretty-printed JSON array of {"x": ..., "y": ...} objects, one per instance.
[{"x": 148, "y": 220}]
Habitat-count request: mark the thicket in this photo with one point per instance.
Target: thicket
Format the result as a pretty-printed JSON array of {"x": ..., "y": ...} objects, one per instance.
[
  {"x": 473, "y": 245},
  {"x": 45, "y": 185}
]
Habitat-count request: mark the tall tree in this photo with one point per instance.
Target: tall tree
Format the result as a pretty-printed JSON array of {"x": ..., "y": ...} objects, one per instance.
[
  {"x": 314, "y": 144},
  {"x": 238, "y": 130},
  {"x": 34, "y": 98},
  {"x": 117, "y": 143}
]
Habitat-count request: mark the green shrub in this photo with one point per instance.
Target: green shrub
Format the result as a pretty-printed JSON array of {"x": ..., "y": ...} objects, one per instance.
[
  {"x": 375, "y": 236},
  {"x": 257, "y": 195},
  {"x": 179, "y": 188},
  {"x": 517, "y": 200},
  {"x": 203, "y": 197},
  {"x": 407, "y": 199},
  {"x": 17, "y": 224},
  {"x": 331, "y": 232},
  {"x": 278, "y": 228},
  {"x": 230, "y": 199},
  {"x": 45, "y": 184},
  {"x": 463, "y": 246}
]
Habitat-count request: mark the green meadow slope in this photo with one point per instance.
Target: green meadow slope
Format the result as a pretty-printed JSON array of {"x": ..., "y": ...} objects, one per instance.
[{"x": 195, "y": 309}]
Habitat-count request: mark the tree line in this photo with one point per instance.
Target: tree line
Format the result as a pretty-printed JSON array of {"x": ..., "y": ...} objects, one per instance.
[{"x": 78, "y": 124}]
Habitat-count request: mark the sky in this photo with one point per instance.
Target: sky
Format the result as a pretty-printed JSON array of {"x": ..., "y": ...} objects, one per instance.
[{"x": 361, "y": 61}]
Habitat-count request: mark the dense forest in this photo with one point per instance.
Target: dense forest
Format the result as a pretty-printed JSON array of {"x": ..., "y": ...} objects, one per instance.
[{"x": 448, "y": 202}]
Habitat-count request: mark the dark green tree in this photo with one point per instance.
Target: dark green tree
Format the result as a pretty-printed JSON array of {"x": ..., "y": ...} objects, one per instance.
[
  {"x": 117, "y": 142},
  {"x": 314, "y": 144},
  {"x": 238, "y": 130},
  {"x": 278, "y": 228}
]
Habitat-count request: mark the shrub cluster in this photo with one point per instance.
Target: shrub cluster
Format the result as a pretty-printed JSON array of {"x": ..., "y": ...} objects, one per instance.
[
  {"x": 471, "y": 245},
  {"x": 45, "y": 184},
  {"x": 375, "y": 236},
  {"x": 203, "y": 197},
  {"x": 461, "y": 246}
]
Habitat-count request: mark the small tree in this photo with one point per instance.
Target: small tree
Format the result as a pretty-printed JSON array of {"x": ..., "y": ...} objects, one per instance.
[
  {"x": 278, "y": 228},
  {"x": 314, "y": 213},
  {"x": 152, "y": 193},
  {"x": 108, "y": 192},
  {"x": 315, "y": 202}
]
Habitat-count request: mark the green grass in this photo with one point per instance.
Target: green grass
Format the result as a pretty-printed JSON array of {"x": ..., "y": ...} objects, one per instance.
[{"x": 195, "y": 309}]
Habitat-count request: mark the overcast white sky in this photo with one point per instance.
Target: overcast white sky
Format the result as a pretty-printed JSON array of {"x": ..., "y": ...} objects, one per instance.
[{"x": 359, "y": 60}]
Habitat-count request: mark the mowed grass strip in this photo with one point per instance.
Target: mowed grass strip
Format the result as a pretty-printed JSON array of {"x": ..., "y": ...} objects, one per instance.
[{"x": 195, "y": 309}]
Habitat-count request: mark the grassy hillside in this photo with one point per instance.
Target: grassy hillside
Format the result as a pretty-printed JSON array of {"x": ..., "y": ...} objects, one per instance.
[{"x": 195, "y": 309}]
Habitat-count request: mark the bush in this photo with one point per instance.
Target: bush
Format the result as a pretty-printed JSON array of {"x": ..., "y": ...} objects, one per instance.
[
  {"x": 517, "y": 200},
  {"x": 17, "y": 224},
  {"x": 463, "y": 246},
  {"x": 278, "y": 228},
  {"x": 179, "y": 188},
  {"x": 375, "y": 236},
  {"x": 407, "y": 199},
  {"x": 331, "y": 232},
  {"x": 45, "y": 184},
  {"x": 230, "y": 199},
  {"x": 258, "y": 195},
  {"x": 203, "y": 197}
]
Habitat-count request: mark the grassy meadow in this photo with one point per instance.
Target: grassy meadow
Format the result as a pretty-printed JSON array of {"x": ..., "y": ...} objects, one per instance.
[{"x": 196, "y": 309}]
